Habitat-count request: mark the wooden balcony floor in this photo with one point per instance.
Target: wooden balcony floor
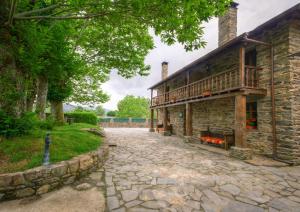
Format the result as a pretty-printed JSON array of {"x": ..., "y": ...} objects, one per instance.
[{"x": 217, "y": 95}]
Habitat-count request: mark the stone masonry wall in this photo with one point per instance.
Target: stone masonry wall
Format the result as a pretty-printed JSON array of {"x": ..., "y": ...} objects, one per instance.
[
  {"x": 43, "y": 179},
  {"x": 294, "y": 65},
  {"x": 177, "y": 121},
  {"x": 261, "y": 140},
  {"x": 217, "y": 114},
  {"x": 220, "y": 113}
]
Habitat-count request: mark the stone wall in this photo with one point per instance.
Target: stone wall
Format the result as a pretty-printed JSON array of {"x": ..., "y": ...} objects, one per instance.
[
  {"x": 217, "y": 114},
  {"x": 43, "y": 179},
  {"x": 294, "y": 66},
  {"x": 177, "y": 119},
  {"x": 261, "y": 140}
]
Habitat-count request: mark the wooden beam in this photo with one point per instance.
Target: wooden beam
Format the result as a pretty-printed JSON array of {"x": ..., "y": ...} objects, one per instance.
[
  {"x": 230, "y": 93},
  {"x": 188, "y": 121},
  {"x": 165, "y": 90},
  {"x": 240, "y": 121},
  {"x": 152, "y": 120},
  {"x": 165, "y": 119},
  {"x": 242, "y": 66},
  {"x": 151, "y": 98}
]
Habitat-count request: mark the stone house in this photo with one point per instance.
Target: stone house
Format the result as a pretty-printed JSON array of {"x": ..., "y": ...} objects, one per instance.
[{"x": 249, "y": 86}]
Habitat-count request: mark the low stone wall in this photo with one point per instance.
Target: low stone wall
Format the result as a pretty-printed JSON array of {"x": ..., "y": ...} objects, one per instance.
[{"x": 43, "y": 179}]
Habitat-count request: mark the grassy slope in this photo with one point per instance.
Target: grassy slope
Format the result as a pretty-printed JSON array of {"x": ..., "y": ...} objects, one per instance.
[{"x": 26, "y": 152}]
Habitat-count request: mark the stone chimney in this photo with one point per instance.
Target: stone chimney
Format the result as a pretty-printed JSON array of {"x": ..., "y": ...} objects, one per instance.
[
  {"x": 228, "y": 24},
  {"x": 164, "y": 70}
]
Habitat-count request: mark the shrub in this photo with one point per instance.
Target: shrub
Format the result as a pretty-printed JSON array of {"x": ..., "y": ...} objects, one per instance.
[
  {"x": 83, "y": 117},
  {"x": 11, "y": 126},
  {"x": 111, "y": 113},
  {"x": 48, "y": 124}
]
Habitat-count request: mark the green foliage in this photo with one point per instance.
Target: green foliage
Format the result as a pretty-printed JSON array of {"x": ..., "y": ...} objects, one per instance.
[
  {"x": 112, "y": 113},
  {"x": 100, "y": 110},
  {"x": 21, "y": 153},
  {"x": 82, "y": 109},
  {"x": 83, "y": 117},
  {"x": 75, "y": 44},
  {"x": 47, "y": 124},
  {"x": 135, "y": 107},
  {"x": 11, "y": 126}
]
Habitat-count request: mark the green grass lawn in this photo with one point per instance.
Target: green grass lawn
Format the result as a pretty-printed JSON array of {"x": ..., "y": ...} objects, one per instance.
[{"x": 26, "y": 152}]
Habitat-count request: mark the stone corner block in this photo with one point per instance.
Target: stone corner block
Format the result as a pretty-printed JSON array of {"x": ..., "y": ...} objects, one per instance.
[
  {"x": 85, "y": 162},
  {"x": 59, "y": 169},
  {"x": 5, "y": 180},
  {"x": 73, "y": 165},
  {"x": 240, "y": 153}
]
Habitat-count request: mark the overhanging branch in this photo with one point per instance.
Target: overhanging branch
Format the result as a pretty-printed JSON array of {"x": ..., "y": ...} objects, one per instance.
[
  {"x": 87, "y": 16},
  {"x": 24, "y": 14}
]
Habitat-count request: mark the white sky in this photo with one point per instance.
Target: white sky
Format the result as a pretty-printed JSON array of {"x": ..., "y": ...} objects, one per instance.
[{"x": 251, "y": 13}]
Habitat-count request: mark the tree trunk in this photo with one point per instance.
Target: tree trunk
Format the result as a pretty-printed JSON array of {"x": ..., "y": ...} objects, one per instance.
[
  {"x": 31, "y": 95},
  {"x": 11, "y": 80},
  {"x": 57, "y": 111},
  {"x": 41, "y": 101}
]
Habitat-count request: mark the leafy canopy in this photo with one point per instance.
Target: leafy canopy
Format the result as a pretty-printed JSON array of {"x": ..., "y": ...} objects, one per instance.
[
  {"x": 53, "y": 35},
  {"x": 135, "y": 107}
]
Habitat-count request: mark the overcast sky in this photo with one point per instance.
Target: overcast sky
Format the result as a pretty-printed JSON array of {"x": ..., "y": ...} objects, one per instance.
[{"x": 251, "y": 13}]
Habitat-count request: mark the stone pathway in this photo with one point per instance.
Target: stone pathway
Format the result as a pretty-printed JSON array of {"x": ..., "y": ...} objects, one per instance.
[{"x": 149, "y": 172}]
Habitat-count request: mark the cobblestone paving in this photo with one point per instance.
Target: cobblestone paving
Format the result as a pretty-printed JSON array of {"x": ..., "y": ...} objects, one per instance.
[{"x": 149, "y": 172}]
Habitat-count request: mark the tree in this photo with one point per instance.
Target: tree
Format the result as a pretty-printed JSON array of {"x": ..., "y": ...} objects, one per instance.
[
  {"x": 112, "y": 113},
  {"x": 100, "y": 110},
  {"x": 135, "y": 107},
  {"x": 106, "y": 34}
]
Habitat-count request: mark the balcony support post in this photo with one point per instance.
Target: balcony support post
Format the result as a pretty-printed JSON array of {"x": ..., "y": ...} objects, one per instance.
[
  {"x": 240, "y": 120},
  {"x": 151, "y": 120},
  {"x": 165, "y": 121},
  {"x": 188, "y": 121},
  {"x": 165, "y": 95},
  {"x": 242, "y": 66},
  {"x": 151, "y": 104},
  {"x": 240, "y": 149}
]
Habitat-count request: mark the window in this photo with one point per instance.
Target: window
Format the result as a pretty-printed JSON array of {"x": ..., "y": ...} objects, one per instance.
[{"x": 251, "y": 111}]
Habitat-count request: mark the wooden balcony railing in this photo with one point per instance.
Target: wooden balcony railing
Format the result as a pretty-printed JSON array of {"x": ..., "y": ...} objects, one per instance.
[{"x": 211, "y": 85}]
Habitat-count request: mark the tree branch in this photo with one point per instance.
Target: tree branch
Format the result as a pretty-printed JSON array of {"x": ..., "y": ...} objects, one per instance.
[
  {"x": 24, "y": 14},
  {"x": 88, "y": 16}
]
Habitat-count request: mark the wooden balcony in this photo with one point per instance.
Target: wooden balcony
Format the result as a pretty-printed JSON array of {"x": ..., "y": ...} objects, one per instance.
[{"x": 212, "y": 86}]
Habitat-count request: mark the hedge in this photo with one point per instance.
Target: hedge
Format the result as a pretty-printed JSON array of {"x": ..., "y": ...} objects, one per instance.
[{"x": 83, "y": 117}]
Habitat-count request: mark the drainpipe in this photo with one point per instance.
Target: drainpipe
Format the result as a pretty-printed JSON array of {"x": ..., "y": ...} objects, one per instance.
[{"x": 274, "y": 143}]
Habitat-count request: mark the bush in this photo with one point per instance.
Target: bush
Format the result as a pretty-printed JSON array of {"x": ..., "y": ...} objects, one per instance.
[
  {"x": 111, "y": 113},
  {"x": 11, "y": 126},
  {"x": 48, "y": 124},
  {"x": 83, "y": 117}
]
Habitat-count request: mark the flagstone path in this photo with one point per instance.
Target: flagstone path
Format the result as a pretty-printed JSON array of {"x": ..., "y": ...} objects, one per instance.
[{"x": 149, "y": 172}]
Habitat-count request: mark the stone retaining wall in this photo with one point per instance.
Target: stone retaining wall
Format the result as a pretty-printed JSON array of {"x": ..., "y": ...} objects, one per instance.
[{"x": 43, "y": 179}]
